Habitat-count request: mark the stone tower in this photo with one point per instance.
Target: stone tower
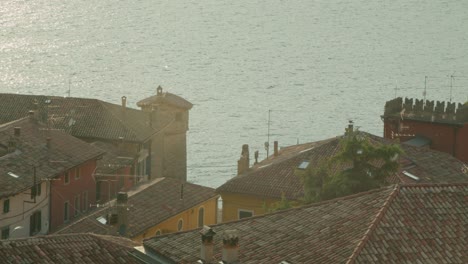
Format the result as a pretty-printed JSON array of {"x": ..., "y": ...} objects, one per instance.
[{"x": 169, "y": 114}]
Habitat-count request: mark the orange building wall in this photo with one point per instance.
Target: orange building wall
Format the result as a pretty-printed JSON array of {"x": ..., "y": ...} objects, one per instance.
[
  {"x": 446, "y": 138},
  {"x": 189, "y": 217},
  {"x": 232, "y": 203}
]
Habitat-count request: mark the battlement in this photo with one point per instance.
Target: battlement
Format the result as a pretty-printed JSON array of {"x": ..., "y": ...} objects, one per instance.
[{"x": 432, "y": 111}]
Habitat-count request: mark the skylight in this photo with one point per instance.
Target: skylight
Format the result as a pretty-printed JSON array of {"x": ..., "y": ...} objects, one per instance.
[
  {"x": 411, "y": 176},
  {"x": 13, "y": 175},
  {"x": 102, "y": 220},
  {"x": 303, "y": 165}
]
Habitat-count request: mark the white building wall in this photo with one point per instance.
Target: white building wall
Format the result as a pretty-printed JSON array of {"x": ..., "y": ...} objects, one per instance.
[{"x": 21, "y": 210}]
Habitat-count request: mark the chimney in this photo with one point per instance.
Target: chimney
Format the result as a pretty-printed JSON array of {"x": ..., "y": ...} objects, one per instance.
[
  {"x": 230, "y": 247},
  {"x": 48, "y": 139},
  {"x": 275, "y": 148},
  {"x": 122, "y": 213},
  {"x": 17, "y": 131},
  {"x": 159, "y": 90},
  {"x": 124, "y": 102},
  {"x": 206, "y": 251},
  {"x": 244, "y": 162},
  {"x": 350, "y": 128},
  {"x": 256, "y": 156},
  {"x": 31, "y": 114}
]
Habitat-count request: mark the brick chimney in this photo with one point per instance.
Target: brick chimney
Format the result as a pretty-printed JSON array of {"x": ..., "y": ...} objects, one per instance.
[
  {"x": 244, "y": 162},
  {"x": 159, "y": 90},
  {"x": 124, "y": 102},
  {"x": 275, "y": 148},
  {"x": 230, "y": 252},
  {"x": 206, "y": 251},
  {"x": 350, "y": 128},
  {"x": 122, "y": 213}
]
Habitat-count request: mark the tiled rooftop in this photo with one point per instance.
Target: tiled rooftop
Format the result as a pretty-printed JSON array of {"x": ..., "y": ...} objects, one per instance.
[
  {"x": 114, "y": 159},
  {"x": 276, "y": 175},
  {"x": 149, "y": 205},
  {"x": 166, "y": 98},
  {"x": 65, "y": 152},
  {"x": 76, "y": 248},
  {"x": 81, "y": 117},
  {"x": 426, "y": 223}
]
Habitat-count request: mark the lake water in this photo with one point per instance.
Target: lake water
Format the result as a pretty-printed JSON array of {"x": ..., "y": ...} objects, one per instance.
[{"x": 314, "y": 64}]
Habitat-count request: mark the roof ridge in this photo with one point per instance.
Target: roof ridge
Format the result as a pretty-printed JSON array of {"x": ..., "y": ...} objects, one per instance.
[
  {"x": 419, "y": 185},
  {"x": 373, "y": 224}
]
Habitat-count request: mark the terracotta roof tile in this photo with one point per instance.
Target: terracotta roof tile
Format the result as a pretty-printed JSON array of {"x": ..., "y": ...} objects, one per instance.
[
  {"x": 149, "y": 205},
  {"x": 81, "y": 117},
  {"x": 31, "y": 150},
  {"x": 276, "y": 175},
  {"x": 166, "y": 98},
  {"x": 425, "y": 223},
  {"x": 76, "y": 248}
]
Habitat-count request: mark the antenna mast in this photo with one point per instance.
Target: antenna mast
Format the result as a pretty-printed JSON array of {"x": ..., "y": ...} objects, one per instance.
[
  {"x": 267, "y": 144},
  {"x": 425, "y": 87}
]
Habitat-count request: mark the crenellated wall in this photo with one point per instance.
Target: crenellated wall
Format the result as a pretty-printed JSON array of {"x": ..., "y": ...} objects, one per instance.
[
  {"x": 434, "y": 111},
  {"x": 444, "y": 123}
]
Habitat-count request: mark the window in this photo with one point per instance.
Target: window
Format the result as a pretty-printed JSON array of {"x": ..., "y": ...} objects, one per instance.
[
  {"x": 6, "y": 206},
  {"x": 77, "y": 173},
  {"x": 85, "y": 201},
  {"x": 66, "y": 213},
  {"x": 201, "y": 216},
  {"x": 245, "y": 213},
  {"x": 303, "y": 165},
  {"x": 77, "y": 205},
  {"x": 6, "y": 232},
  {"x": 180, "y": 225},
  {"x": 66, "y": 178},
  {"x": 35, "y": 223}
]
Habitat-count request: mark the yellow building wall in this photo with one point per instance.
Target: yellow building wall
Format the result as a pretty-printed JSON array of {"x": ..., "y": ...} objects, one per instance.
[
  {"x": 189, "y": 218},
  {"x": 232, "y": 203}
]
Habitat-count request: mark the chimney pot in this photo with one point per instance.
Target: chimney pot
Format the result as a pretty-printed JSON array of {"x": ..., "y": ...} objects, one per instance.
[
  {"x": 256, "y": 157},
  {"x": 350, "y": 127},
  {"x": 31, "y": 114},
  {"x": 122, "y": 212},
  {"x": 124, "y": 102},
  {"x": 275, "y": 148},
  {"x": 230, "y": 252},
  {"x": 206, "y": 251},
  {"x": 159, "y": 90},
  {"x": 17, "y": 131},
  {"x": 243, "y": 163}
]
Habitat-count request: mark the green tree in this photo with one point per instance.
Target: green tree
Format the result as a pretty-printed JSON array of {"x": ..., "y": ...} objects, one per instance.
[{"x": 361, "y": 165}]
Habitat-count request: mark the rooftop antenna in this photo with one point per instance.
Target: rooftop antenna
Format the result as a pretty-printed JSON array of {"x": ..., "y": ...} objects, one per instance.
[
  {"x": 425, "y": 86},
  {"x": 267, "y": 144},
  {"x": 451, "y": 86},
  {"x": 396, "y": 88},
  {"x": 69, "y": 90}
]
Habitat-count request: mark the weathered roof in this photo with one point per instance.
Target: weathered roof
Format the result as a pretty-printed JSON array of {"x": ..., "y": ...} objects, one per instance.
[
  {"x": 165, "y": 98},
  {"x": 75, "y": 248},
  {"x": 276, "y": 175},
  {"x": 149, "y": 205},
  {"x": 395, "y": 224},
  {"x": 114, "y": 159},
  {"x": 81, "y": 117},
  {"x": 64, "y": 153}
]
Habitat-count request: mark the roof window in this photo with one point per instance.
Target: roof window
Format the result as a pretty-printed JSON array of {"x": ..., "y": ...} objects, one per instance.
[
  {"x": 411, "y": 176},
  {"x": 13, "y": 175},
  {"x": 303, "y": 165}
]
